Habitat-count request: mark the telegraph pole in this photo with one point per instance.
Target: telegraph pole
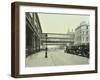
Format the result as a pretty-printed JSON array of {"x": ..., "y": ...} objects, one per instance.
[{"x": 46, "y": 56}]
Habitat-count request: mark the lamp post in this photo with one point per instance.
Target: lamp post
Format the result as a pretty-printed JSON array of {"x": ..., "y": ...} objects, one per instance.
[{"x": 46, "y": 56}]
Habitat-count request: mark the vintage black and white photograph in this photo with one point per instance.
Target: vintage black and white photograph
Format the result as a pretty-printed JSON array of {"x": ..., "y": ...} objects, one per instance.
[
  {"x": 57, "y": 39},
  {"x": 52, "y": 39}
]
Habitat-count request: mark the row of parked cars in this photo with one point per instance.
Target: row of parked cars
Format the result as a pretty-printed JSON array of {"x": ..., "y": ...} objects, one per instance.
[{"x": 81, "y": 50}]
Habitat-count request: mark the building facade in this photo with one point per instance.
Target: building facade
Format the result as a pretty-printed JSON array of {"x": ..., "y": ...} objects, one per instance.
[
  {"x": 82, "y": 35},
  {"x": 33, "y": 33}
]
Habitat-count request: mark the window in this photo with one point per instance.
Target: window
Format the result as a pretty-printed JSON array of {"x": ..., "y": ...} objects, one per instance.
[
  {"x": 86, "y": 38},
  {"x": 87, "y": 27}
]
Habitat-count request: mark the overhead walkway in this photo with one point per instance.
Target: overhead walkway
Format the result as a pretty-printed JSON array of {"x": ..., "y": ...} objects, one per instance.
[{"x": 57, "y": 39}]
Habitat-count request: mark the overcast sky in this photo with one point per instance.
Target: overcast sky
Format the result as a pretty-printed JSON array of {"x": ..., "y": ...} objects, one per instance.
[{"x": 58, "y": 23}]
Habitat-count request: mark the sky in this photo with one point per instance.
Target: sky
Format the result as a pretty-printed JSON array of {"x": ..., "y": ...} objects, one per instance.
[{"x": 60, "y": 23}]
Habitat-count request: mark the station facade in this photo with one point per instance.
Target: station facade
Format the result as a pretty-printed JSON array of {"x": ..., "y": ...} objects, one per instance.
[{"x": 33, "y": 33}]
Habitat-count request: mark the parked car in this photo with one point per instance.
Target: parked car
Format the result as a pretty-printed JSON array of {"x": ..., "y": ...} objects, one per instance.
[
  {"x": 81, "y": 50},
  {"x": 84, "y": 50}
]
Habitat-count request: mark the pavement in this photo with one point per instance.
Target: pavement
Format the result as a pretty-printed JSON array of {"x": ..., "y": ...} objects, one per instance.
[{"x": 55, "y": 58}]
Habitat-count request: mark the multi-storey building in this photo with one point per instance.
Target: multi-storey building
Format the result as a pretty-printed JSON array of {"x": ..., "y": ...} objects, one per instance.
[
  {"x": 33, "y": 33},
  {"x": 82, "y": 34}
]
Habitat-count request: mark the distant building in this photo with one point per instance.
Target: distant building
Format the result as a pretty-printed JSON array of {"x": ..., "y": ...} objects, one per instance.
[
  {"x": 33, "y": 33},
  {"x": 82, "y": 35}
]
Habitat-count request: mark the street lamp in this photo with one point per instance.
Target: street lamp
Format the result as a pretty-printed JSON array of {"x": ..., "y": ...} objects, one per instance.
[{"x": 46, "y": 56}]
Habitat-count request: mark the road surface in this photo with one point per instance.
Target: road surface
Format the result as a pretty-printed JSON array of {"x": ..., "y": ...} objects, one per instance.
[{"x": 55, "y": 58}]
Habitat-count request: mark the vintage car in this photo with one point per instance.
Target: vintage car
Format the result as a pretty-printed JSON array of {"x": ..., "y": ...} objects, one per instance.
[{"x": 81, "y": 50}]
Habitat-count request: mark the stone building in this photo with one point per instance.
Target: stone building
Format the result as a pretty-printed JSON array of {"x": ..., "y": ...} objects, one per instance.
[
  {"x": 33, "y": 33},
  {"x": 82, "y": 35}
]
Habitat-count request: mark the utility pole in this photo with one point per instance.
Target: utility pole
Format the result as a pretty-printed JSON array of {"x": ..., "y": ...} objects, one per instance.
[{"x": 46, "y": 56}]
